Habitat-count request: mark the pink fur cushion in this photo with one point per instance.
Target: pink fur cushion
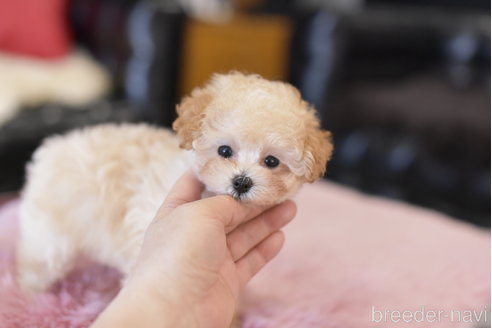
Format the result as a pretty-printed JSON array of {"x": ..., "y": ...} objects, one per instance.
[{"x": 348, "y": 259}]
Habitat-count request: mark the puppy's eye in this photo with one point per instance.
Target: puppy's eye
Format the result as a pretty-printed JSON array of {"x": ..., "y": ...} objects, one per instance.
[
  {"x": 271, "y": 161},
  {"x": 225, "y": 151}
]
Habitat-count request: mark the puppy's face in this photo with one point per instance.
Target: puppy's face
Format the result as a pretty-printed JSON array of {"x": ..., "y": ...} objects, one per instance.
[{"x": 253, "y": 139}]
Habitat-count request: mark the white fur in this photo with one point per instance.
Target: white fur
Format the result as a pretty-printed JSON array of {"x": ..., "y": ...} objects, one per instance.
[
  {"x": 96, "y": 190},
  {"x": 70, "y": 200}
]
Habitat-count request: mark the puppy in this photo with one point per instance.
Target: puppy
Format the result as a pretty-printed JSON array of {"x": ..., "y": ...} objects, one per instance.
[{"x": 95, "y": 190}]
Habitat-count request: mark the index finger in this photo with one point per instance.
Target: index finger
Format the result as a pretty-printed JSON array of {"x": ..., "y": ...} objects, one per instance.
[{"x": 230, "y": 212}]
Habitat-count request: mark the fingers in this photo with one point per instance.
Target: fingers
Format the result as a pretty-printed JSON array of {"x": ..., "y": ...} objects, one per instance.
[
  {"x": 226, "y": 209},
  {"x": 256, "y": 259},
  {"x": 187, "y": 189},
  {"x": 246, "y": 236}
]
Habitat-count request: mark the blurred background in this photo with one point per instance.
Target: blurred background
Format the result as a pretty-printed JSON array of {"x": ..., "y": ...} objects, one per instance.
[{"x": 404, "y": 85}]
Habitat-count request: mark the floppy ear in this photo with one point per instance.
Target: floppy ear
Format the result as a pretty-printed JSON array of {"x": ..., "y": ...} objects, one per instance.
[
  {"x": 191, "y": 112},
  {"x": 317, "y": 151}
]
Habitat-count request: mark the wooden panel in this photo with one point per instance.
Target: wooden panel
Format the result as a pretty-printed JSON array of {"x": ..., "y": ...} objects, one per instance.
[{"x": 258, "y": 44}]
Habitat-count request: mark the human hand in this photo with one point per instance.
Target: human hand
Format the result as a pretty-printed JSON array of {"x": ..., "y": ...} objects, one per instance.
[{"x": 197, "y": 255}]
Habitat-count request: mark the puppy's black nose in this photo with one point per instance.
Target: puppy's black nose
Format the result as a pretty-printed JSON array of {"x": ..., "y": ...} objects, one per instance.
[{"x": 242, "y": 183}]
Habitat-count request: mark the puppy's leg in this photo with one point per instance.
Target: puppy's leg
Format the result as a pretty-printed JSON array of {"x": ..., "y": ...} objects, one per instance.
[
  {"x": 43, "y": 254},
  {"x": 127, "y": 239},
  {"x": 123, "y": 257}
]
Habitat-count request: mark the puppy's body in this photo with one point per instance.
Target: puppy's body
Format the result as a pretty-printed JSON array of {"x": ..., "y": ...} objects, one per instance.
[{"x": 95, "y": 191}]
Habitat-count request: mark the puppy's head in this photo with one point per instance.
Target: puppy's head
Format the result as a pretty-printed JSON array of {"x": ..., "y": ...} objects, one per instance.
[{"x": 254, "y": 139}]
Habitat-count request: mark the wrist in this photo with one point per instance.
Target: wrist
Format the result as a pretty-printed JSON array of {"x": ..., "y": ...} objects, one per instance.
[{"x": 137, "y": 306}]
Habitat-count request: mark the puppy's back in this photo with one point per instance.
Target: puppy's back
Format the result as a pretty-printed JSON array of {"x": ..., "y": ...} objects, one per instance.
[{"x": 105, "y": 164}]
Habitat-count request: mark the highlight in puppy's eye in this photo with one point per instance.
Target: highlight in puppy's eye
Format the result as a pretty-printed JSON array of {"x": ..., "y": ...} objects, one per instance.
[
  {"x": 225, "y": 151},
  {"x": 271, "y": 161}
]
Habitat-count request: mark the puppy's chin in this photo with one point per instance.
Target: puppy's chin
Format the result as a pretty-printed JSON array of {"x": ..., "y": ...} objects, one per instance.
[
  {"x": 257, "y": 202},
  {"x": 248, "y": 199},
  {"x": 265, "y": 194}
]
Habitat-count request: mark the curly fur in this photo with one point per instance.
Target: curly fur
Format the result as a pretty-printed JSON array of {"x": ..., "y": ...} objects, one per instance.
[{"x": 95, "y": 190}]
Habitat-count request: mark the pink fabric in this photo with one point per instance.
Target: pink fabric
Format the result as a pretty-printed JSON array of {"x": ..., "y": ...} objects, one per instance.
[{"x": 345, "y": 254}]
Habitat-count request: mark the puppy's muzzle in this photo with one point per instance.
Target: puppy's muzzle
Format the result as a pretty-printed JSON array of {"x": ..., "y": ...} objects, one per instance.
[{"x": 242, "y": 184}]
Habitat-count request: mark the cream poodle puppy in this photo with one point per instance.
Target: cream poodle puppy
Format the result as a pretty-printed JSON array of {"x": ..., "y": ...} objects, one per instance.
[{"x": 95, "y": 191}]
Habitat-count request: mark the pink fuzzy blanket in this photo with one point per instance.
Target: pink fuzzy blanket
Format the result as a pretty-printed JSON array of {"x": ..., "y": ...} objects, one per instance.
[{"x": 350, "y": 260}]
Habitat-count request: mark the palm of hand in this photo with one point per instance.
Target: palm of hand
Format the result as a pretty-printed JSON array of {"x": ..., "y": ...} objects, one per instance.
[{"x": 212, "y": 248}]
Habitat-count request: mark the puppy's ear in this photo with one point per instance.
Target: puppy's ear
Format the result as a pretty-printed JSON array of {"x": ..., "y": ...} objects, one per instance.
[
  {"x": 191, "y": 112},
  {"x": 317, "y": 152}
]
